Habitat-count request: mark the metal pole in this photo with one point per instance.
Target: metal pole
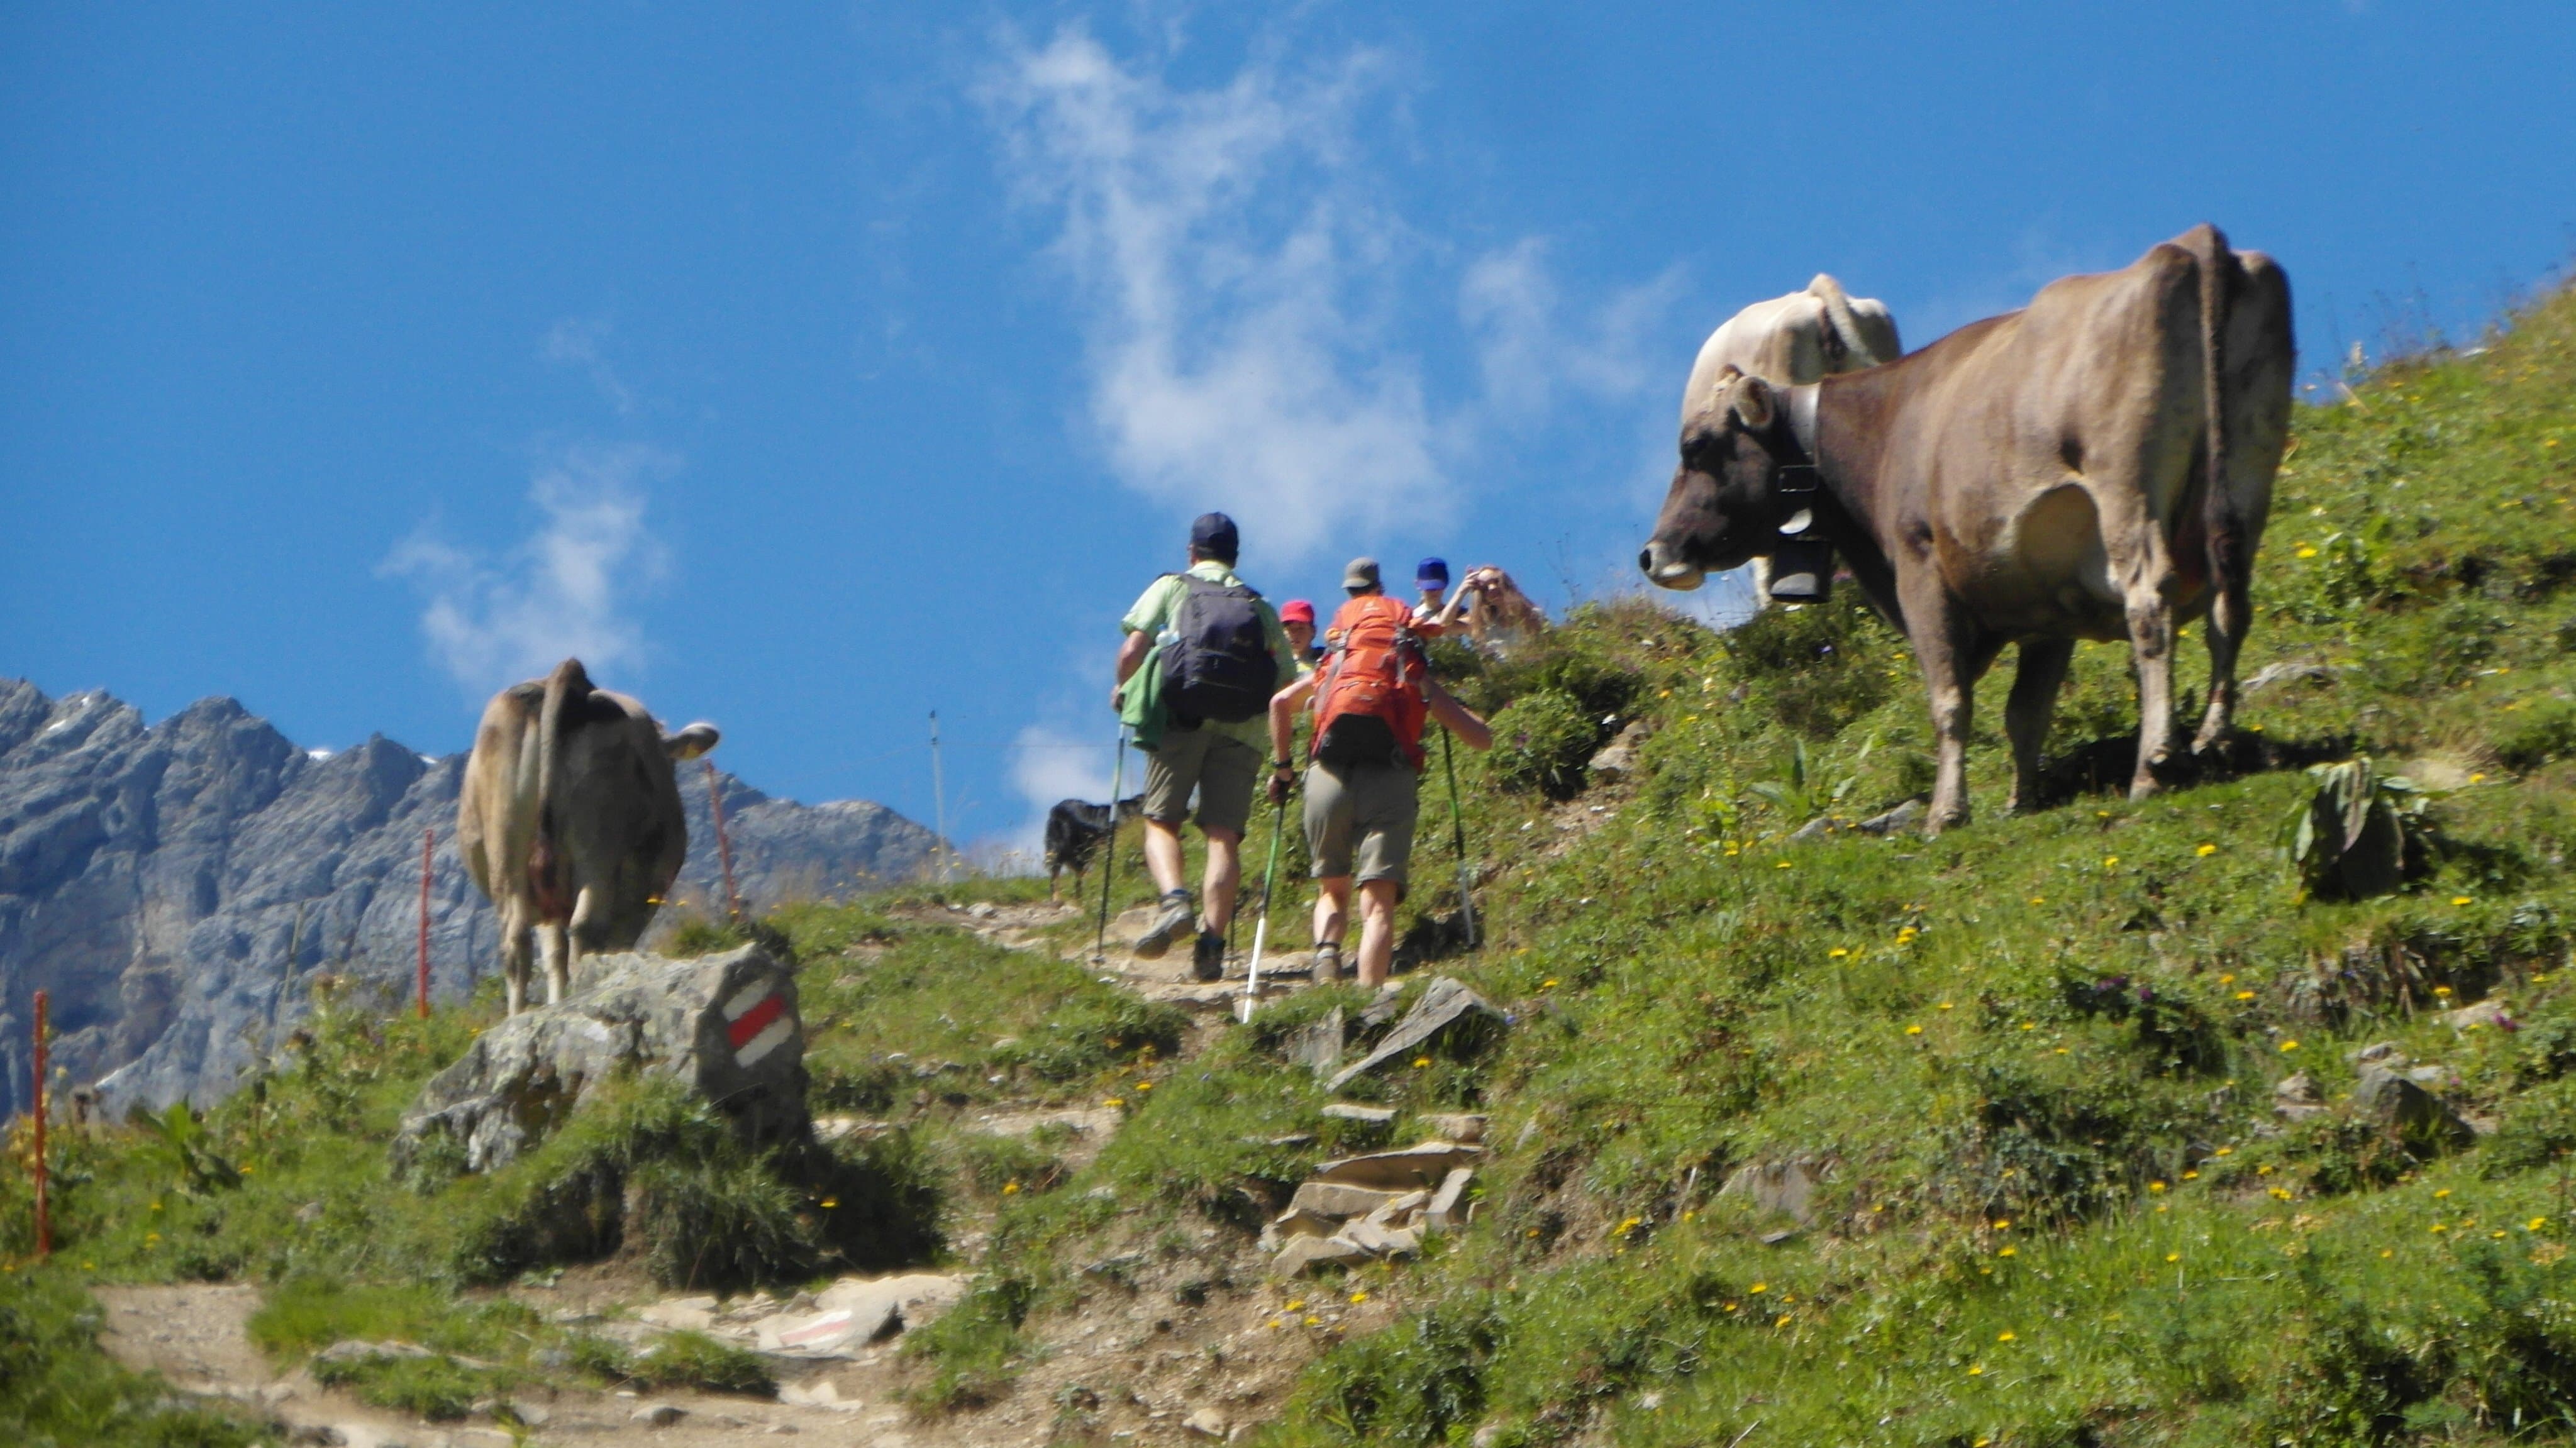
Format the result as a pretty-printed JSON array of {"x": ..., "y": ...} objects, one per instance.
[
  {"x": 428, "y": 839},
  {"x": 1109, "y": 866},
  {"x": 44, "y": 1198},
  {"x": 1458, "y": 839},
  {"x": 938, "y": 799},
  {"x": 1261, "y": 926},
  {"x": 724, "y": 843}
]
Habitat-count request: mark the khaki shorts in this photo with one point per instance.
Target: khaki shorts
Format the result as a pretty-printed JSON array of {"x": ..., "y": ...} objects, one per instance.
[
  {"x": 1219, "y": 767},
  {"x": 1370, "y": 805}
]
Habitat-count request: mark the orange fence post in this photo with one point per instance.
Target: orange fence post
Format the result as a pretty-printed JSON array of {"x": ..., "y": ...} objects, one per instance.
[
  {"x": 428, "y": 839},
  {"x": 724, "y": 846},
  {"x": 44, "y": 1201}
]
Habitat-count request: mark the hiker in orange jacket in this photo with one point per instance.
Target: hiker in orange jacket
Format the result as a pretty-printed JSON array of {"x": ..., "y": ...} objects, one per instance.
[{"x": 1371, "y": 695}]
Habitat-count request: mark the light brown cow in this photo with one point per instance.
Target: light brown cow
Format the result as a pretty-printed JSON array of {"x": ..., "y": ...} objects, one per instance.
[
  {"x": 2096, "y": 466},
  {"x": 570, "y": 820},
  {"x": 1802, "y": 337}
]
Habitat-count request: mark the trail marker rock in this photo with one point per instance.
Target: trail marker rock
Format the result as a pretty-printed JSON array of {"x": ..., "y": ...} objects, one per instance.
[{"x": 724, "y": 1025}]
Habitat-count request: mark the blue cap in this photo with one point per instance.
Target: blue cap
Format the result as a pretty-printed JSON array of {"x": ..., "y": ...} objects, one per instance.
[
  {"x": 1213, "y": 534},
  {"x": 1430, "y": 571}
]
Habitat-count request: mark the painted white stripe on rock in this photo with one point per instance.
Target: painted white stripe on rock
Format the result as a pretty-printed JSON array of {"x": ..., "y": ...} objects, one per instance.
[
  {"x": 770, "y": 1039},
  {"x": 744, "y": 999}
]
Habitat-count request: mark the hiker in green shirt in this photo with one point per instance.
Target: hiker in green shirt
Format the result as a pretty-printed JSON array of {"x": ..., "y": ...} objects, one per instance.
[{"x": 1218, "y": 652}]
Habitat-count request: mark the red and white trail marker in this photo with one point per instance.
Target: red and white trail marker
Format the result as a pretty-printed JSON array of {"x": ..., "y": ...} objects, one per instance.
[{"x": 758, "y": 1022}]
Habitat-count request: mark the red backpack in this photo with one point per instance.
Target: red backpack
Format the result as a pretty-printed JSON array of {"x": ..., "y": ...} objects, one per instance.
[{"x": 1369, "y": 703}]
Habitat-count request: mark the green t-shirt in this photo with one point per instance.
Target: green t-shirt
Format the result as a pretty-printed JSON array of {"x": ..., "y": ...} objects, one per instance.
[{"x": 1161, "y": 599}]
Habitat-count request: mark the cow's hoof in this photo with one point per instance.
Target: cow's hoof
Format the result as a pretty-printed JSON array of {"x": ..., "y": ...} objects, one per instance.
[{"x": 2145, "y": 786}]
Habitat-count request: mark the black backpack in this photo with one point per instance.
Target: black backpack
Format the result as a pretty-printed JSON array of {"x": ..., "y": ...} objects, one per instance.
[{"x": 1218, "y": 665}]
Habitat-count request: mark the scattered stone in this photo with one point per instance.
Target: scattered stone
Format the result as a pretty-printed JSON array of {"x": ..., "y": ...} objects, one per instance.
[
  {"x": 1302, "y": 1253},
  {"x": 2433, "y": 1077},
  {"x": 1896, "y": 821},
  {"x": 1774, "y": 1239},
  {"x": 1814, "y": 829},
  {"x": 1446, "y": 1009},
  {"x": 658, "y": 1415},
  {"x": 1443, "y": 1213},
  {"x": 1618, "y": 758},
  {"x": 2290, "y": 671},
  {"x": 1297, "y": 1222},
  {"x": 820, "y": 1393},
  {"x": 1413, "y": 1167},
  {"x": 350, "y": 1350},
  {"x": 2409, "y": 1107},
  {"x": 309, "y": 1213},
  {"x": 982, "y": 910},
  {"x": 2384, "y": 1052},
  {"x": 1340, "y": 1199},
  {"x": 1381, "y": 1241},
  {"x": 724, "y": 1025},
  {"x": 2489, "y": 1014},
  {"x": 1459, "y": 1126},
  {"x": 1207, "y": 1423},
  {"x": 316, "y": 1435},
  {"x": 2295, "y": 1098},
  {"x": 1365, "y": 1115},
  {"x": 680, "y": 1314},
  {"x": 1294, "y": 1138},
  {"x": 1394, "y": 1212},
  {"x": 1787, "y": 1187}
]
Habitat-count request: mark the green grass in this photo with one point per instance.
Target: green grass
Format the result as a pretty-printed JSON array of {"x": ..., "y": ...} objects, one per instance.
[
  {"x": 2070, "y": 1022},
  {"x": 57, "y": 1390}
]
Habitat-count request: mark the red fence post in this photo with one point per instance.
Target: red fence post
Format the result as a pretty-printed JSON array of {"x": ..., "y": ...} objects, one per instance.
[
  {"x": 428, "y": 838},
  {"x": 724, "y": 846},
  {"x": 44, "y": 1201}
]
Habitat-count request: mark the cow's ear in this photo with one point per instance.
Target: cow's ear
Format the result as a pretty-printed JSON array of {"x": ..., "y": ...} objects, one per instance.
[
  {"x": 1753, "y": 404},
  {"x": 691, "y": 742}
]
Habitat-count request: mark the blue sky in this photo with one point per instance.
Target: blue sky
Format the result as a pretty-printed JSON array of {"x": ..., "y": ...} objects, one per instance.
[{"x": 808, "y": 369}]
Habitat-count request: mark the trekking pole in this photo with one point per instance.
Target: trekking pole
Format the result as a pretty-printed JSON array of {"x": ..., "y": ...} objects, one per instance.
[
  {"x": 1458, "y": 838},
  {"x": 1109, "y": 866},
  {"x": 1261, "y": 926}
]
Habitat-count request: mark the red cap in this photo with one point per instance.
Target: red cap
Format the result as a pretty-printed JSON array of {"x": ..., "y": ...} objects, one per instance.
[{"x": 1297, "y": 610}]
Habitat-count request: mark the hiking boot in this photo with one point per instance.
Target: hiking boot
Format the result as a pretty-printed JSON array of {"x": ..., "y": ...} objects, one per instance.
[
  {"x": 1207, "y": 959},
  {"x": 1327, "y": 969},
  {"x": 1167, "y": 926}
]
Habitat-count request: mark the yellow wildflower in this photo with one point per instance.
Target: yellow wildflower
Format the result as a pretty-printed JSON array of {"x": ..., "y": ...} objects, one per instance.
[
  {"x": 1359, "y": 1297},
  {"x": 2004, "y": 1336},
  {"x": 1914, "y": 1030},
  {"x": 1977, "y": 1370},
  {"x": 2206, "y": 850},
  {"x": 2006, "y": 1252},
  {"x": 2289, "y": 1045},
  {"x": 2459, "y": 899},
  {"x": 1836, "y": 953}
]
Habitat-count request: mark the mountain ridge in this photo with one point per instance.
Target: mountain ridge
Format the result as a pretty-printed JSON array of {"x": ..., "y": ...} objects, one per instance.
[{"x": 176, "y": 887}]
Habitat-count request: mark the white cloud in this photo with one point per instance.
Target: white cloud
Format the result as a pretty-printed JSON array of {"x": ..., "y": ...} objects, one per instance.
[
  {"x": 575, "y": 342},
  {"x": 565, "y": 591},
  {"x": 1226, "y": 267}
]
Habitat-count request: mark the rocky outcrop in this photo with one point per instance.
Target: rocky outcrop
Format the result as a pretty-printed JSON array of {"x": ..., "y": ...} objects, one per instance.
[
  {"x": 177, "y": 886},
  {"x": 725, "y": 1026}
]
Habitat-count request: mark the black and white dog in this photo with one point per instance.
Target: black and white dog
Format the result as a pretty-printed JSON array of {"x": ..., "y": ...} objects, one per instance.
[{"x": 1074, "y": 829}]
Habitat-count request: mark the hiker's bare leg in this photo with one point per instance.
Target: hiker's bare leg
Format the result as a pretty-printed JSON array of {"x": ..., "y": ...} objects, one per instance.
[
  {"x": 1163, "y": 855},
  {"x": 1224, "y": 875},
  {"x": 1332, "y": 909},
  {"x": 1377, "y": 931}
]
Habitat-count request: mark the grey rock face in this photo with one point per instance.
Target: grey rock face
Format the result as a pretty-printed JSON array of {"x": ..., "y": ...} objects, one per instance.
[
  {"x": 723, "y": 1025},
  {"x": 177, "y": 886}
]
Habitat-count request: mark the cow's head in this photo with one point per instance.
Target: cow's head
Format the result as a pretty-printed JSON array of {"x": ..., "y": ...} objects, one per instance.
[
  {"x": 691, "y": 742},
  {"x": 1724, "y": 506}
]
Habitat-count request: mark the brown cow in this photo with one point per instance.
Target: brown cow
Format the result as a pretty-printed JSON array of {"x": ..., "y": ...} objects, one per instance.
[
  {"x": 570, "y": 820},
  {"x": 2040, "y": 477}
]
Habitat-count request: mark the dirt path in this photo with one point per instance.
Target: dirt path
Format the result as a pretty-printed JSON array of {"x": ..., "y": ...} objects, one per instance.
[{"x": 1173, "y": 1332}]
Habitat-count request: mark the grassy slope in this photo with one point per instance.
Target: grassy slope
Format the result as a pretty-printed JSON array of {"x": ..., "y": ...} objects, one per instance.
[
  {"x": 2043, "y": 1049},
  {"x": 1960, "y": 1025}
]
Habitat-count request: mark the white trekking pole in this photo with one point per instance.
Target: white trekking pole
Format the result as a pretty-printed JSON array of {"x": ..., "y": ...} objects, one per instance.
[{"x": 1261, "y": 926}]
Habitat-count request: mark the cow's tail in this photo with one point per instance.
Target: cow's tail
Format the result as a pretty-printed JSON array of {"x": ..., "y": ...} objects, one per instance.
[
  {"x": 1840, "y": 317},
  {"x": 569, "y": 685},
  {"x": 2218, "y": 271}
]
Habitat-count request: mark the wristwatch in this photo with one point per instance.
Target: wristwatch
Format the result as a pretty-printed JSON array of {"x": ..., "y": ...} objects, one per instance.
[{"x": 1279, "y": 764}]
